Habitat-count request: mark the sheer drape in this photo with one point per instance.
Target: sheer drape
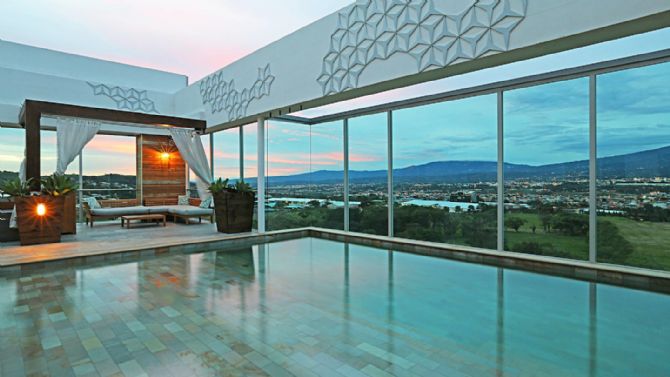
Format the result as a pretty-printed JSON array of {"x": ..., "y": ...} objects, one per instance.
[
  {"x": 191, "y": 150},
  {"x": 71, "y": 137}
]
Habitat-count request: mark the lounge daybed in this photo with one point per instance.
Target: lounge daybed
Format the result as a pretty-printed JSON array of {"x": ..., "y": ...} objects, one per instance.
[{"x": 111, "y": 209}]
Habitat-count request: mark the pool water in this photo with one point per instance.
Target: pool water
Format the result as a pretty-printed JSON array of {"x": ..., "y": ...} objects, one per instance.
[{"x": 312, "y": 307}]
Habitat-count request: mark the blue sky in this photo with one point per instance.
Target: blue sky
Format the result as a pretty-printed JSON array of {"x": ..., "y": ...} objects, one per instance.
[{"x": 544, "y": 124}]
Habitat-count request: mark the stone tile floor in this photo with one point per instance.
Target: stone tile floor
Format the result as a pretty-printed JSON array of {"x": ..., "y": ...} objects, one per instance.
[{"x": 109, "y": 237}]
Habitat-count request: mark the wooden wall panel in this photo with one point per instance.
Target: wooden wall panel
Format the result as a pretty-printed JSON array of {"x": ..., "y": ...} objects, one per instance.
[{"x": 158, "y": 177}]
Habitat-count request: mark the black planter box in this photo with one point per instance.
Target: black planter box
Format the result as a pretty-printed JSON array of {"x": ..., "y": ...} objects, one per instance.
[
  {"x": 6, "y": 233},
  {"x": 234, "y": 211}
]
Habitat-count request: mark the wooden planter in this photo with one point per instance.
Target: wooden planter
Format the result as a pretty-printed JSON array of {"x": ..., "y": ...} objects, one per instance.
[
  {"x": 35, "y": 229},
  {"x": 69, "y": 224},
  {"x": 234, "y": 211}
]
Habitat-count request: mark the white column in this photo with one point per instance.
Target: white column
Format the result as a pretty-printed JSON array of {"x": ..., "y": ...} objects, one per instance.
[
  {"x": 501, "y": 176},
  {"x": 81, "y": 186},
  {"x": 241, "y": 134},
  {"x": 389, "y": 175},
  {"x": 261, "y": 175},
  {"x": 345, "y": 145},
  {"x": 211, "y": 154},
  {"x": 593, "y": 208}
]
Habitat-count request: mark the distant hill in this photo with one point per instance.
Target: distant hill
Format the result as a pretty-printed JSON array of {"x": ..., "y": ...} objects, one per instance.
[
  {"x": 115, "y": 178},
  {"x": 645, "y": 164}
]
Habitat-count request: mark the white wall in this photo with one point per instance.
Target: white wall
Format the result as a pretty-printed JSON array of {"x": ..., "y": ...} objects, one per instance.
[
  {"x": 295, "y": 62},
  {"x": 542, "y": 27}
]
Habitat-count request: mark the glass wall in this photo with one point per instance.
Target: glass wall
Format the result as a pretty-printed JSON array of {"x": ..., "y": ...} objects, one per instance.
[
  {"x": 11, "y": 152},
  {"x": 445, "y": 172},
  {"x": 288, "y": 197},
  {"x": 546, "y": 154},
  {"x": 106, "y": 180},
  {"x": 368, "y": 171},
  {"x": 327, "y": 174},
  {"x": 633, "y": 115},
  {"x": 250, "y": 160},
  {"x": 227, "y": 154}
]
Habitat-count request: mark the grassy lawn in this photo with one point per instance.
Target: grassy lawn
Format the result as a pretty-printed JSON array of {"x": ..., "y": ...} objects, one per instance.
[
  {"x": 566, "y": 246},
  {"x": 651, "y": 242}
]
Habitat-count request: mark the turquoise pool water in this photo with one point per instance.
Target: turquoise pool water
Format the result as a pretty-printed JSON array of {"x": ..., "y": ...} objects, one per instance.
[{"x": 311, "y": 307}]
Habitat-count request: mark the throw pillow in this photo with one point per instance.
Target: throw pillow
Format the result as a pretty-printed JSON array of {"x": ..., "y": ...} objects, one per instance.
[
  {"x": 182, "y": 200},
  {"x": 206, "y": 203},
  {"x": 92, "y": 202}
]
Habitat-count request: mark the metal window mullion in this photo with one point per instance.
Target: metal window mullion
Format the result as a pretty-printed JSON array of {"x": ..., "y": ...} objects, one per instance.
[
  {"x": 345, "y": 153},
  {"x": 501, "y": 176},
  {"x": 389, "y": 174},
  {"x": 261, "y": 175},
  {"x": 211, "y": 154},
  {"x": 593, "y": 208},
  {"x": 81, "y": 185},
  {"x": 241, "y": 147}
]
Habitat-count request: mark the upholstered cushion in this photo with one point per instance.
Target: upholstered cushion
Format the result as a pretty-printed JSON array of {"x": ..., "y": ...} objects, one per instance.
[
  {"x": 158, "y": 209},
  {"x": 190, "y": 211},
  {"x": 120, "y": 211},
  {"x": 182, "y": 200},
  {"x": 92, "y": 202},
  {"x": 207, "y": 203}
]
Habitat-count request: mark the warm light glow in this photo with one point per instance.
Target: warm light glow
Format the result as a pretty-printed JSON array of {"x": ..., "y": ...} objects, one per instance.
[
  {"x": 41, "y": 209},
  {"x": 165, "y": 156}
]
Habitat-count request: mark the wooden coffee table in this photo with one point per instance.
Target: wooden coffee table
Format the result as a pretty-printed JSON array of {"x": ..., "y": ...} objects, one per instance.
[{"x": 153, "y": 217}]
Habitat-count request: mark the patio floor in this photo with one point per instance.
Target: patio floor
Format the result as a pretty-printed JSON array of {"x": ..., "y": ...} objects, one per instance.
[{"x": 109, "y": 237}]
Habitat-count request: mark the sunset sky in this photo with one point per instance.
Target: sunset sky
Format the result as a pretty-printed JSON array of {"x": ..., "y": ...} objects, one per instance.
[{"x": 208, "y": 34}]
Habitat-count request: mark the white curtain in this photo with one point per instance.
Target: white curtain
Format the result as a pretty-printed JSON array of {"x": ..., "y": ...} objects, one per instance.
[
  {"x": 191, "y": 150},
  {"x": 71, "y": 137}
]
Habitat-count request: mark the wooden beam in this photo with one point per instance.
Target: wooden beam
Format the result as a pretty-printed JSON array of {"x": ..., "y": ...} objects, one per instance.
[
  {"x": 32, "y": 111},
  {"x": 31, "y": 122},
  {"x": 109, "y": 115}
]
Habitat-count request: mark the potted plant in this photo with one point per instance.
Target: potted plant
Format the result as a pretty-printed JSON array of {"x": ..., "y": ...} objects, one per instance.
[
  {"x": 39, "y": 216},
  {"x": 59, "y": 185},
  {"x": 233, "y": 206}
]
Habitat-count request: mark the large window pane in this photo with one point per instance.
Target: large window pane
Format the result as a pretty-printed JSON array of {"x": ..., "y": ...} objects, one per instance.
[
  {"x": 327, "y": 172},
  {"x": 250, "y": 160},
  {"x": 227, "y": 154},
  {"x": 368, "y": 168},
  {"x": 106, "y": 180},
  {"x": 634, "y": 167},
  {"x": 12, "y": 141},
  {"x": 444, "y": 159},
  {"x": 546, "y": 146},
  {"x": 289, "y": 200}
]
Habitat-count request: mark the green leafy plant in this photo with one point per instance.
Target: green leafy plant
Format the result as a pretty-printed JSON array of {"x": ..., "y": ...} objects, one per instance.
[
  {"x": 218, "y": 186},
  {"x": 222, "y": 185},
  {"x": 241, "y": 186},
  {"x": 58, "y": 185},
  {"x": 16, "y": 188}
]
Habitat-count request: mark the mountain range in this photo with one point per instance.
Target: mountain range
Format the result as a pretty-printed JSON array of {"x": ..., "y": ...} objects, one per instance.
[{"x": 644, "y": 164}]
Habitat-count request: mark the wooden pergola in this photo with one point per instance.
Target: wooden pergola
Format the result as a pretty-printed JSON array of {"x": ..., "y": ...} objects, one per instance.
[{"x": 32, "y": 111}]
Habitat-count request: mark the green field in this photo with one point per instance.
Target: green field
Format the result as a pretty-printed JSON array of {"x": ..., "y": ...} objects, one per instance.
[
  {"x": 650, "y": 240},
  {"x": 566, "y": 246}
]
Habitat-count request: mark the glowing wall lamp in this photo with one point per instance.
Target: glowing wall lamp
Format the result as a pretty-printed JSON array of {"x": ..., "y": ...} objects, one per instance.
[{"x": 41, "y": 209}]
